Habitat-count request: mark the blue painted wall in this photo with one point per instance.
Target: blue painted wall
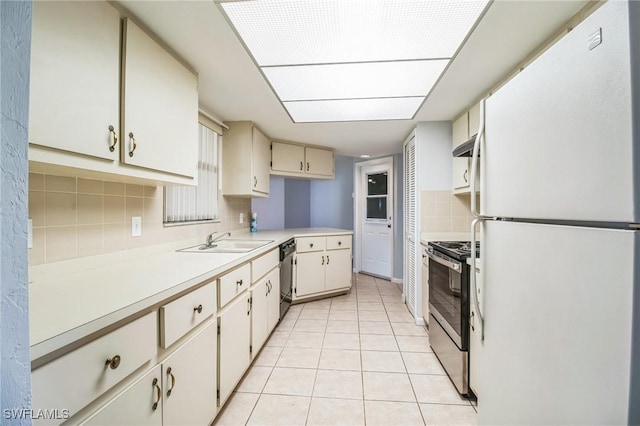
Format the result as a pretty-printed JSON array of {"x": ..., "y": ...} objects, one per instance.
[
  {"x": 15, "y": 364},
  {"x": 271, "y": 210},
  {"x": 297, "y": 203},
  {"x": 332, "y": 200}
]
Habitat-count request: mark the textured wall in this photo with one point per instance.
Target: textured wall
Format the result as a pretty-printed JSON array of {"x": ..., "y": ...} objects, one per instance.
[
  {"x": 271, "y": 210},
  {"x": 331, "y": 200},
  {"x": 15, "y": 366},
  {"x": 297, "y": 203}
]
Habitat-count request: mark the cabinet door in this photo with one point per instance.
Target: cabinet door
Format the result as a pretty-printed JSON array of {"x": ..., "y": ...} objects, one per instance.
[
  {"x": 139, "y": 404},
  {"x": 319, "y": 161},
  {"x": 260, "y": 158},
  {"x": 273, "y": 299},
  {"x": 461, "y": 130},
  {"x": 338, "y": 269},
  {"x": 75, "y": 73},
  {"x": 189, "y": 380},
  {"x": 233, "y": 345},
  {"x": 310, "y": 272},
  {"x": 474, "y": 119},
  {"x": 259, "y": 315},
  {"x": 461, "y": 176},
  {"x": 160, "y": 101},
  {"x": 286, "y": 157}
]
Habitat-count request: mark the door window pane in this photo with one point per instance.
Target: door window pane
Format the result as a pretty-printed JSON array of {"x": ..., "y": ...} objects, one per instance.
[
  {"x": 377, "y": 184},
  {"x": 377, "y": 208}
]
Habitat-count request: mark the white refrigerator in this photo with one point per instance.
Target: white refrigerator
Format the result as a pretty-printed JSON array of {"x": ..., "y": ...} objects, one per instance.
[{"x": 559, "y": 206}]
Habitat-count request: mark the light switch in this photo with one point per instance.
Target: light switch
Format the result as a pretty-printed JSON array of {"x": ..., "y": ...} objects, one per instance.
[{"x": 136, "y": 226}]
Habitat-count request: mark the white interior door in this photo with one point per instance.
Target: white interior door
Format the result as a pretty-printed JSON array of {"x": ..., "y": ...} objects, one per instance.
[{"x": 376, "y": 199}]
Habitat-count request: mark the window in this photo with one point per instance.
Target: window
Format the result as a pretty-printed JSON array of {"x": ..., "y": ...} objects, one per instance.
[
  {"x": 377, "y": 196},
  {"x": 184, "y": 204}
]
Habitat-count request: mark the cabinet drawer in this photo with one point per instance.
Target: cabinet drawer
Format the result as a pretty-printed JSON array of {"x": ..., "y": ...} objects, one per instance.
[
  {"x": 177, "y": 318},
  {"x": 308, "y": 244},
  {"x": 264, "y": 264},
  {"x": 77, "y": 378},
  {"x": 234, "y": 283},
  {"x": 338, "y": 242}
]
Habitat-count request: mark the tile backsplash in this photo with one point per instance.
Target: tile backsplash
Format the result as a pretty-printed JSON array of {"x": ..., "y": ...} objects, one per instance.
[
  {"x": 441, "y": 211},
  {"x": 75, "y": 217}
]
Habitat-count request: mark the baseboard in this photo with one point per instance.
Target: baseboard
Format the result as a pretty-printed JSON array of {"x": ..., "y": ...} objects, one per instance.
[{"x": 397, "y": 280}]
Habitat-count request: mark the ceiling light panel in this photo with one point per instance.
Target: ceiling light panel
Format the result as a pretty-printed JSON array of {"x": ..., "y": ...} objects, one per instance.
[
  {"x": 280, "y": 32},
  {"x": 348, "y": 81},
  {"x": 353, "y": 109}
]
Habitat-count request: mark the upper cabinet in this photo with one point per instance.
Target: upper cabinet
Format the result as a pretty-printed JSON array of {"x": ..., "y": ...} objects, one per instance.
[
  {"x": 159, "y": 107},
  {"x": 85, "y": 121},
  {"x": 293, "y": 159},
  {"x": 246, "y": 156},
  {"x": 75, "y": 74},
  {"x": 464, "y": 128}
]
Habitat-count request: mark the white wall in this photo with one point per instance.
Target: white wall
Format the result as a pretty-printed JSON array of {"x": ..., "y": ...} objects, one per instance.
[{"x": 15, "y": 366}]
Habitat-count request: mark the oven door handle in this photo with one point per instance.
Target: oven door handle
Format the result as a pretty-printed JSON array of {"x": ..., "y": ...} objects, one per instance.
[{"x": 451, "y": 265}]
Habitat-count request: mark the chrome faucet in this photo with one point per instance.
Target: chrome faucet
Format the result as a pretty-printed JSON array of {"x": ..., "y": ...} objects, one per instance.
[{"x": 211, "y": 240}]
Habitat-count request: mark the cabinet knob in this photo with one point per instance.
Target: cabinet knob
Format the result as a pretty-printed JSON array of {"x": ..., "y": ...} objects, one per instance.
[
  {"x": 158, "y": 394},
  {"x": 339, "y": 243},
  {"x": 114, "y": 362},
  {"x": 198, "y": 309},
  {"x": 173, "y": 381},
  {"x": 132, "y": 143},
  {"x": 239, "y": 282},
  {"x": 311, "y": 245},
  {"x": 114, "y": 137}
]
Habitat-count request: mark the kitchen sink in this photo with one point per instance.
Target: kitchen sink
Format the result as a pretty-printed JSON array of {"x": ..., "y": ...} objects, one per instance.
[{"x": 228, "y": 246}]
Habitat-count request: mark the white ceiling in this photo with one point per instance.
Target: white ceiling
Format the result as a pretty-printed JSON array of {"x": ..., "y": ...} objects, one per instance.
[{"x": 232, "y": 88}]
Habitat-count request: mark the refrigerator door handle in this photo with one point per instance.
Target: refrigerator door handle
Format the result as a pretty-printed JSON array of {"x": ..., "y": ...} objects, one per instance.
[
  {"x": 472, "y": 275},
  {"x": 474, "y": 160}
]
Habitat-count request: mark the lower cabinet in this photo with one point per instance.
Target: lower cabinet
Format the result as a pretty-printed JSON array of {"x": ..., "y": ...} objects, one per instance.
[
  {"x": 234, "y": 320},
  {"x": 265, "y": 309},
  {"x": 181, "y": 390},
  {"x": 322, "y": 266}
]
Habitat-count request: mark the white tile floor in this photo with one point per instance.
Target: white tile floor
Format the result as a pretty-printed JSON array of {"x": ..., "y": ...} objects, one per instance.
[{"x": 352, "y": 360}]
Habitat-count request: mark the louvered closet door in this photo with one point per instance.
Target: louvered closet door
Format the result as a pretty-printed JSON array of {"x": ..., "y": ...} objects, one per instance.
[{"x": 410, "y": 224}]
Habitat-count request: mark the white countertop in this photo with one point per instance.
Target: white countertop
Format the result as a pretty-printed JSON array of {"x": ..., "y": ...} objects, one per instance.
[{"x": 69, "y": 300}]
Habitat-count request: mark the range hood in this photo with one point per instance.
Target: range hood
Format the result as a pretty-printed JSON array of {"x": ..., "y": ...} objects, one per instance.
[{"x": 465, "y": 149}]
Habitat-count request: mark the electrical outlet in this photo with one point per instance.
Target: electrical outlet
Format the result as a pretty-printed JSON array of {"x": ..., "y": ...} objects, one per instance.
[
  {"x": 136, "y": 226},
  {"x": 241, "y": 218}
]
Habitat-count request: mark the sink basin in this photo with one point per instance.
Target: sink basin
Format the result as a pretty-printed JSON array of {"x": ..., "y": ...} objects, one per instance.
[{"x": 228, "y": 246}]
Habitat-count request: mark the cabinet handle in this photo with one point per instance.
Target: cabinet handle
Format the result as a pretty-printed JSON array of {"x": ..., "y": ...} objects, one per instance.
[
  {"x": 311, "y": 245},
  {"x": 301, "y": 166},
  {"x": 465, "y": 176},
  {"x": 198, "y": 309},
  {"x": 114, "y": 135},
  {"x": 327, "y": 259},
  {"x": 158, "y": 394},
  {"x": 339, "y": 243},
  {"x": 323, "y": 260},
  {"x": 255, "y": 181},
  {"x": 250, "y": 302},
  {"x": 307, "y": 166},
  {"x": 114, "y": 362},
  {"x": 239, "y": 282},
  {"x": 132, "y": 143},
  {"x": 173, "y": 381}
]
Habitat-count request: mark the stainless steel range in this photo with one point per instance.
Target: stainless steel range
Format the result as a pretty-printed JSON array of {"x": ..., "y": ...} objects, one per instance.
[{"x": 449, "y": 307}]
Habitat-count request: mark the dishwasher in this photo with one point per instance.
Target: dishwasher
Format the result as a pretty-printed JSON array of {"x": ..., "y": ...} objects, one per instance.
[{"x": 287, "y": 250}]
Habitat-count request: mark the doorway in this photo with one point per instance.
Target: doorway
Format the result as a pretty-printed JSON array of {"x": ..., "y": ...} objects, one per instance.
[{"x": 374, "y": 222}]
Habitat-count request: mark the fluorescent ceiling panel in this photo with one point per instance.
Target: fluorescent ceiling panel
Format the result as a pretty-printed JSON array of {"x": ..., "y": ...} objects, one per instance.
[
  {"x": 348, "y": 81},
  {"x": 280, "y": 32},
  {"x": 354, "y": 109}
]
